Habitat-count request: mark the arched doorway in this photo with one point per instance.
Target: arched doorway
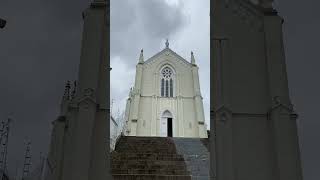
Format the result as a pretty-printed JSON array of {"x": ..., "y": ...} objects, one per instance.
[{"x": 166, "y": 127}]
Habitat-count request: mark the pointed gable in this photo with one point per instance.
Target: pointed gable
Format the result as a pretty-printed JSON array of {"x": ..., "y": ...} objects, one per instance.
[{"x": 167, "y": 52}]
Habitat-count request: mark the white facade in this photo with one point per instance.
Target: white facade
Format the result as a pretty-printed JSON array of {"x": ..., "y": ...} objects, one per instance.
[
  {"x": 115, "y": 132},
  {"x": 166, "y": 98}
]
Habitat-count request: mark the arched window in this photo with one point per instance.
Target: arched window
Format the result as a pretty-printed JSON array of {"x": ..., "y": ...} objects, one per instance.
[
  {"x": 171, "y": 88},
  {"x": 166, "y": 82}
]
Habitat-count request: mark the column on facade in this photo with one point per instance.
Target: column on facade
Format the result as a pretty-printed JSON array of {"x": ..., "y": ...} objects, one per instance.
[
  {"x": 127, "y": 123},
  {"x": 180, "y": 116},
  {"x": 153, "y": 116},
  {"x": 158, "y": 116},
  {"x": 179, "y": 105},
  {"x": 154, "y": 106},
  {"x": 157, "y": 107},
  {"x": 134, "y": 116},
  {"x": 221, "y": 115},
  {"x": 198, "y": 100}
]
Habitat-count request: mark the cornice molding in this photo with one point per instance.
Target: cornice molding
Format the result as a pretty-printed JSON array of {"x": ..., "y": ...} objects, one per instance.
[
  {"x": 174, "y": 98},
  {"x": 99, "y": 4},
  {"x": 223, "y": 108}
]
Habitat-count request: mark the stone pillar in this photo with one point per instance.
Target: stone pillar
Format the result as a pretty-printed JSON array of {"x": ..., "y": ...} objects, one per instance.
[
  {"x": 180, "y": 117},
  {"x": 90, "y": 131},
  {"x": 100, "y": 139},
  {"x": 126, "y": 117},
  {"x": 221, "y": 140},
  {"x": 56, "y": 152},
  {"x": 154, "y": 116},
  {"x": 200, "y": 120},
  {"x": 134, "y": 116},
  {"x": 283, "y": 119},
  {"x": 254, "y": 134}
]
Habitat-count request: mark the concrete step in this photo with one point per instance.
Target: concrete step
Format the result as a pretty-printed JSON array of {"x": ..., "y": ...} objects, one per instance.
[
  {"x": 147, "y": 156},
  {"x": 148, "y": 163},
  {"x": 150, "y": 177},
  {"x": 150, "y": 171}
]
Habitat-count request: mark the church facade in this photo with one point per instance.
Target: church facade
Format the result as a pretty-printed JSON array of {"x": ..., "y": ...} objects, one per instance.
[{"x": 166, "y": 99}]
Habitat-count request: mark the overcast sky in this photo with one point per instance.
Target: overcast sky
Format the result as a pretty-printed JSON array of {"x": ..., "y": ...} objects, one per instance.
[{"x": 40, "y": 47}]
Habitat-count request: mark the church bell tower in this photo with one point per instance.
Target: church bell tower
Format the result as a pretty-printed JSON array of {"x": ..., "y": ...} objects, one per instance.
[
  {"x": 254, "y": 123},
  {"x": 80, "y": 143},
  {"x": 89, "y": 157}
]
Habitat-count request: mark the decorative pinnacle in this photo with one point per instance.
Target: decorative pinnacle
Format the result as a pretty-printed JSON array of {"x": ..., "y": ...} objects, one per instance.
[
  {"x": 167, "y": 43},
  {"x": 66, "y": 95},
  {"x": 141, "y": 59},
  {"x": 193, "y": 61}
]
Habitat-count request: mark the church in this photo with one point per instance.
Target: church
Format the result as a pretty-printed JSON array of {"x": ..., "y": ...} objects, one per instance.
[{"x": 166, "y": 99}]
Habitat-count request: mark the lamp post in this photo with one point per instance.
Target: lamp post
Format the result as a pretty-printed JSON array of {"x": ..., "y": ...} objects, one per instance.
[{"x": 2, "y": 23}]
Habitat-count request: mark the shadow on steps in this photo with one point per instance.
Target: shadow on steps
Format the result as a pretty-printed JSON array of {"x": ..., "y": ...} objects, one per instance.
[{"x": 162, "y": 158}]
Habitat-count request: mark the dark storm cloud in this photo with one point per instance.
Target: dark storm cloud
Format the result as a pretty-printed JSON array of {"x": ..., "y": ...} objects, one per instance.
[
  {"x": 39, "y": 51},
  {"x": 141, "y": 22}
]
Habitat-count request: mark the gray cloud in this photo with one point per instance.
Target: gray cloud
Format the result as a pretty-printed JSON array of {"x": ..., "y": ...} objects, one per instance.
[
  {"x": 141, "y": 24},
  {"x": 136, "y": 25},
  {"x": 158, "y": 19}
]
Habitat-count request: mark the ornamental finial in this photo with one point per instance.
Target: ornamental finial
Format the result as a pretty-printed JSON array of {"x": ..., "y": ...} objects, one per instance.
[
  {"x": 66, "y": 94},
  {"x": 73, "y": 93},
  {"x": 141, "y": 59},
  {"x": 193, "y": 61},
  {"x": 167, "y": 43}
]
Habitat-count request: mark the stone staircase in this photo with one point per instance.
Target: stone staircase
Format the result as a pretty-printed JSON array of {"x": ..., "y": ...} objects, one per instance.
[{"x": 158, "y": 158}]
